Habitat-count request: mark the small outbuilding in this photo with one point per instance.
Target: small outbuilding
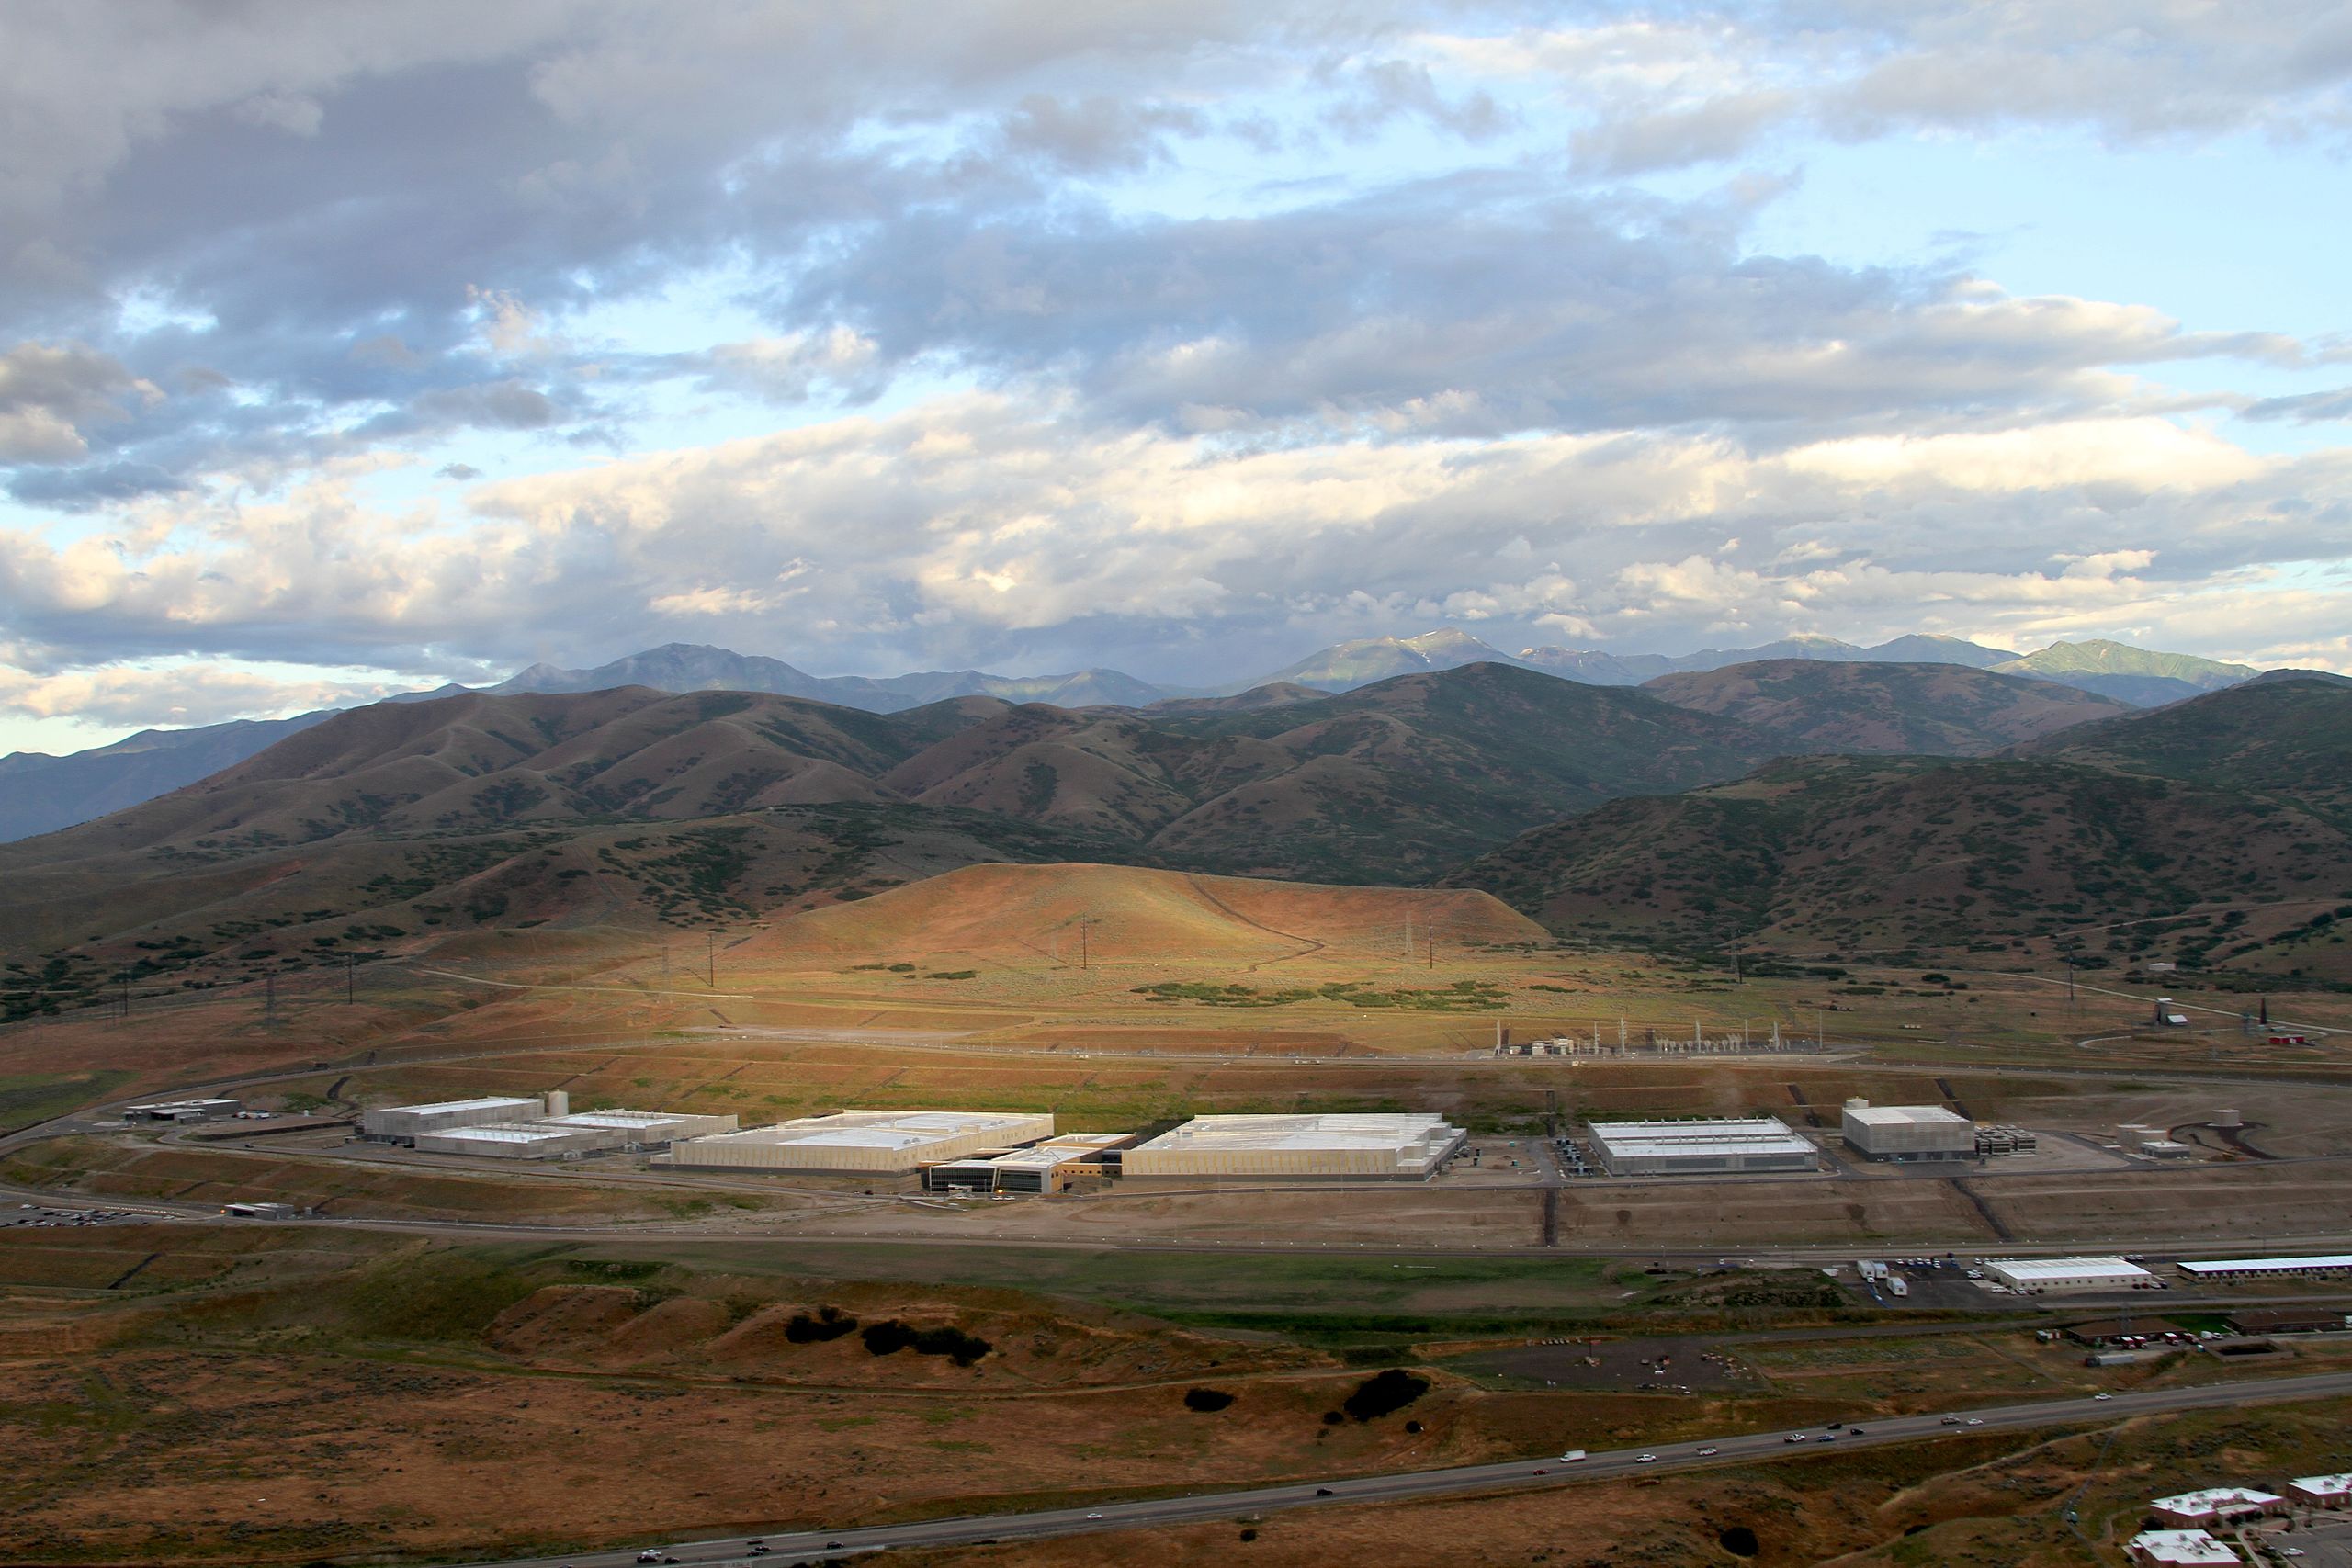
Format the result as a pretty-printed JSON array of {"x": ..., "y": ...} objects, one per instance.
[
  {"x": 2032, "y": 1275},
  {"x": 2322, "y": 1491},
  {"x": 2179, "y": 1549},
  {"x": 2217, "y": 1505}
]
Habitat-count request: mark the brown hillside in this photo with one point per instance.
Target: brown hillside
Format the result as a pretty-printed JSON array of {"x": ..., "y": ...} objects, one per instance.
[
  {"x": 388, "y": 828},
  {"x": 1914, "y": 709},
  {"x": 1012, "y": 913}
]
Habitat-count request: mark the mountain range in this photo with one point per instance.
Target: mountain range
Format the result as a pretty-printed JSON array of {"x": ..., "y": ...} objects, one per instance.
[
  {"x": 1783, "y": 806},
  {"x": 43, "y": 792},
  {"x": 2219, "y": 828}
]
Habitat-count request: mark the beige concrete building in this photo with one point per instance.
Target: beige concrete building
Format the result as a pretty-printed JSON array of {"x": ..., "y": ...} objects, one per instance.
[
  {"x": 1374, "y": 1148},
  {"x": 862, "y": 1143},
  {"x": 1908, "y": 1133}
]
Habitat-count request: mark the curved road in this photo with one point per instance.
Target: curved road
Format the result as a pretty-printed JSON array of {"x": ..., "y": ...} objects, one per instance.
[{"x": 1404, "y": 1487}]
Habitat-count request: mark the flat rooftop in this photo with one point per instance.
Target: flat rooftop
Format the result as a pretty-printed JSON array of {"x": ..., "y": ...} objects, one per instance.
[
  {"x": 2183, "y": 1549},
  {"x": 1305, "y": 1131},
  {"x": 486, "y": 1102},
  {"x": 1907, "y": 1116},
  {"x": 1726, "y": 1135},
  {"x": 877, "y": 1129},
  {"x": 1043, "y": 1157},
  {"x": 2067, "y": 1268},
  {"x": 2268, "y": 1264},
  {"x": 2213, "y": 1499},
  {"x": 501, "y": 1132},
  {"x": 620, "y": 1119}
]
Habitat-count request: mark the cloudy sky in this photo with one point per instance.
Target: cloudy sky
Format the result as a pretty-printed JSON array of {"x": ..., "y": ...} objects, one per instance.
[{"x": 353, "y": 347}]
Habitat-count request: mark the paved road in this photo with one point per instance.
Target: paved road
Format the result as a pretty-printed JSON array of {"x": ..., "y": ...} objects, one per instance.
[{"x": 1512, "y": 1475}]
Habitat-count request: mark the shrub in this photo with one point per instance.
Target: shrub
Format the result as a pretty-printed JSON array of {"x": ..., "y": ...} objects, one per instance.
[
  {"x": 830, "y": 1322},
  {"x": 1206, "y": 1399},
  {"x": 1383, "y": 1393},
  {"x": 890, "y": 1337}
]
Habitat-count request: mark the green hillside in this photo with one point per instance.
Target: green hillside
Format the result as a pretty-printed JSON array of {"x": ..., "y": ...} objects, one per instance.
[
  {"x": 1853, "y": 855},
  {"x": 2101, "y": 657}
]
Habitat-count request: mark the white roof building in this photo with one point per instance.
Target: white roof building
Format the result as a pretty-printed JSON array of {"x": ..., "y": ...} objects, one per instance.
[
  {"x": 645, "y": 1126},
  {"x": 864, "y": 1142},
  {"x": 1701, "y": 1146},
  {"x": 510, "y": 1140},
  {"x": 2179, "y": 1549},
  {"x": 2067, "y": 1273},
  {"x": 2270, "y": 1268},
  {"x": 2328, "y": 1491},
  {"x": 1339, "y": 1147},
  {"x": 403, "y": 1122},
  {"x": 2216, "y": 1504}
]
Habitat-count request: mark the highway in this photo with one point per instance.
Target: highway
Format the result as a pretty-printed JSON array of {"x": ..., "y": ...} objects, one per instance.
[{"x": 1405, "y": 1486}]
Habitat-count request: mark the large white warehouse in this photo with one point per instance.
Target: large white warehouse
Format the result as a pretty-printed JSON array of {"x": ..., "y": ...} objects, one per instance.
[
  {"x": 646, "y": 1129},
  {"x": 1701, "y": 1147},
  {"x": 402, "y": 1123},
  {"x": 1386, "y": 1148},
  {"x": 864, "y": 1143},
  {"x": 1908, "y": 1133},
  {"x": 2068, "y": 1273},
  {"x": 520, "y": 1140}
]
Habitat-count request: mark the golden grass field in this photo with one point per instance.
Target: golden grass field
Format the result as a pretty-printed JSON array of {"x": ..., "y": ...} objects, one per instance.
[{"x": 292, "y": 1395}]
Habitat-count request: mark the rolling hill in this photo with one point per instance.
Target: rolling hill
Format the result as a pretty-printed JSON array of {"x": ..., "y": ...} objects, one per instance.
[
  {"x": 2231, "y": 805},
  {"x": 47, "y": 793},
  {"x": 2288, "y": 740},
  {"x": 635, "y": 806},
  {"x": 2135, "y": 675},
  {"x": 1947, "y": 710},
  {"x": 39, "y": 793},
  {"x": 1018, "y": 914}
]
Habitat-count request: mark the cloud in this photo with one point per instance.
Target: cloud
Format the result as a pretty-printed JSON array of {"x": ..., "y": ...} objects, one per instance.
[
  {"x": 2306, "y": 408},
  {"x": 1662, "y": 87},
  {"x": 1486, "y": 307},
  {"x": 51, "y": 395},
  {"x": 1184, "y": 335},
  {"x": 975, "y": 529},
  {"x": 171, "y": 695}
]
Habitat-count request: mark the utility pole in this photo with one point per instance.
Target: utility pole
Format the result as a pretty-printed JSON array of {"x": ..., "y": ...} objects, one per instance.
[
  {"x": 710, "y": 947},
  {"x": 269, "y": 997},
  {"x": 350, "y": 979}
]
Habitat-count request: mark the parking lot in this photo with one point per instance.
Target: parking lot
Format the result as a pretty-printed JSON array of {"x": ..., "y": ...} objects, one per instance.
[
  {"x": 2325, "y": 1544},
  {"x": 32, "y": 1216}
]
